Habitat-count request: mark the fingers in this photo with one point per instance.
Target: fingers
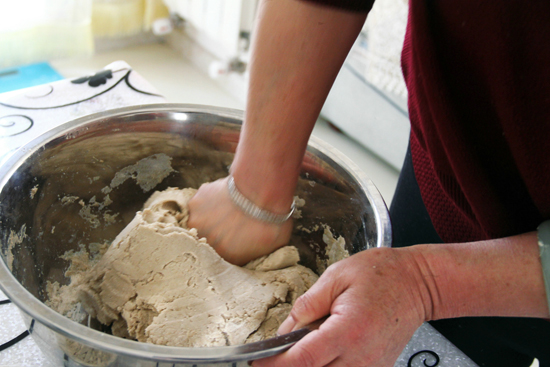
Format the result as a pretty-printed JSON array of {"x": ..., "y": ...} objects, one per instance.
[
  {"x": 324, "y": 347},
  {"x": 309, "y": 352},
  {"x": 210, "y": 212},
  {"x": 364, "y": 305},
  {"x": 235, "y": 236},
  {"x": 200, "y": 206},
  {"x": 315, "y": 303}
]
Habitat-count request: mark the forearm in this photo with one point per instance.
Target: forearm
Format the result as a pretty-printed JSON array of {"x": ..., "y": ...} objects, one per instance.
[
  {"x": 297, "y": 51},
  {"x": 500, "y": 277}
]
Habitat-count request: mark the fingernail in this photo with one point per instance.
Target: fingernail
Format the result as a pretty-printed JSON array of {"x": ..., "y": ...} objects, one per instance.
[{"x": 287, "y": 326}]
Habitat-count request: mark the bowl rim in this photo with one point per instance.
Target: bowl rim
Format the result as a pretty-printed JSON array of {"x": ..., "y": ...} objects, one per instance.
[{"x": 38, "y": 311}]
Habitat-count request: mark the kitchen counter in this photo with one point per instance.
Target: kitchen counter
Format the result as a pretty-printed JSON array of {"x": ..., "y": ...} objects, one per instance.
[{"x": 25, "y": 114}]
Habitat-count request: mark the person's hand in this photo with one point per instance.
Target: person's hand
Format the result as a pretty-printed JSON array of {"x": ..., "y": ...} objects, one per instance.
[
  {"x": 376, "y": 303},
  {"x": 237, "y": 237}
]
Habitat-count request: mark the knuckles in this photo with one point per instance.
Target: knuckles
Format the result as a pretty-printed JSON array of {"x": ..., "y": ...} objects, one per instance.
[
  {"x": 304, "y": 305},
  {"x": 305, "y": 357}
]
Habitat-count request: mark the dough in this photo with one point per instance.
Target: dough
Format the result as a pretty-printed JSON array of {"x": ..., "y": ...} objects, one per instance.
[
  {"x": 159, "y": 283},
  {"x": 335, "y": 250}
]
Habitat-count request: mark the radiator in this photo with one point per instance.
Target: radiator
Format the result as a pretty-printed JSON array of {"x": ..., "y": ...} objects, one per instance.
[{"x": 217, "y": 25}]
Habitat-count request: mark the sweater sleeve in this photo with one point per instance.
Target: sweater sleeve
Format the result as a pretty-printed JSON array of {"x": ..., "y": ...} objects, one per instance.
[{"x": 363, "y": 6}]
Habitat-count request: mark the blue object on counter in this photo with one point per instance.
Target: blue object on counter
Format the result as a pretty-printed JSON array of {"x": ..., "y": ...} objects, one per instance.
[{"x": 27, "y": 76}]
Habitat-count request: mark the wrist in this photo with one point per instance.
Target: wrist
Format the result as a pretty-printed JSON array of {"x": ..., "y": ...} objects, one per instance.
[
  {"x": 254, "y": 211},
  {"x": 449, "y": 285},
  {"x": 424, "y": 287},
  {"x": 498, "y": 277},
  {"x": 267, "y": 181}
]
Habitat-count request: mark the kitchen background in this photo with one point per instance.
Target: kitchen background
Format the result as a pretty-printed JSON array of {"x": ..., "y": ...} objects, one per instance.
[{"x": 196, "y": 51}]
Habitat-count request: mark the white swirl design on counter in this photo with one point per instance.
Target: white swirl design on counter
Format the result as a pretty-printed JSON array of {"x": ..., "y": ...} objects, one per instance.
[
  {"x": 40, "y": 91},
  {"x": 424, "y": 356},
  {"x": 95, "y": 85},
  {"x": 14, "y": 124}
]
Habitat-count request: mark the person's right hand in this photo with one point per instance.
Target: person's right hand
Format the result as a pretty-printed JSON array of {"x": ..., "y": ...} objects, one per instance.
[
  {"x": 237, "y": 237},
  {"x": 375, "y": 299}
]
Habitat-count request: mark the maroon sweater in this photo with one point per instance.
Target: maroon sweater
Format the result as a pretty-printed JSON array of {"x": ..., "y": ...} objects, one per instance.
[{"x": 478, "y": 76}]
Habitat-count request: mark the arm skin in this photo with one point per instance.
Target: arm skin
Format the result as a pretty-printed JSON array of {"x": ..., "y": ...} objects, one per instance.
[
  {"x": 501, "y": 277},
  {"x": 297, "y": 50}
]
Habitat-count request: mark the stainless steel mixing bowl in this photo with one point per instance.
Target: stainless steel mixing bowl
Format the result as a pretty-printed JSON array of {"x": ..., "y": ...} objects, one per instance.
[{"x": 82, "y": 182}]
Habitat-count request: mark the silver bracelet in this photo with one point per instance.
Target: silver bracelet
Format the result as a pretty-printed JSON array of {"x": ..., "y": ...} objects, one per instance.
[
  {"x": 254, "y": 211},
  {"x": 544, "y": 250}
]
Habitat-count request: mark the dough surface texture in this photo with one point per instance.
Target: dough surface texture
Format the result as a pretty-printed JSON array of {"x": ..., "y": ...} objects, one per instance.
[{"x": 159, "y": 283}]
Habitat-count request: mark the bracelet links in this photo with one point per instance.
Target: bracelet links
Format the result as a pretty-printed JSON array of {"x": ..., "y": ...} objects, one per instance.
[
  {"x": 254, "y": 211},
  {"x": 543, "y": 233}
]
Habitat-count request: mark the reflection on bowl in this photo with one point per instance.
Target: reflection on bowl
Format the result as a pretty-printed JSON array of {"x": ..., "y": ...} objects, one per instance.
[{"x": 82, "y": 182}]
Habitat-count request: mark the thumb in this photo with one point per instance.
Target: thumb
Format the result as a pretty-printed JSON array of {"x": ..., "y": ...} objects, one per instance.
[{"x": 314, "y": 304}]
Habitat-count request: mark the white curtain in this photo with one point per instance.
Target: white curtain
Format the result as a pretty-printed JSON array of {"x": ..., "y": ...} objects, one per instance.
[
  {"x": 120, "y": 18},
  {"x": 41, "y": 30}
]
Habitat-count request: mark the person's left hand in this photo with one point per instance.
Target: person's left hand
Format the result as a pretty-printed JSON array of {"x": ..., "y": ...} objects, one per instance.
[
  {"x": 376, "y": 302},
  {"x": 235, "y": 236}
]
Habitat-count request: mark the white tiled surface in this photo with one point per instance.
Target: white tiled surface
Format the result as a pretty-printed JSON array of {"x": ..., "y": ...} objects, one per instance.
[
  {"x": 180, "y": 82},
  {"x": 165, "y": 69}
]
